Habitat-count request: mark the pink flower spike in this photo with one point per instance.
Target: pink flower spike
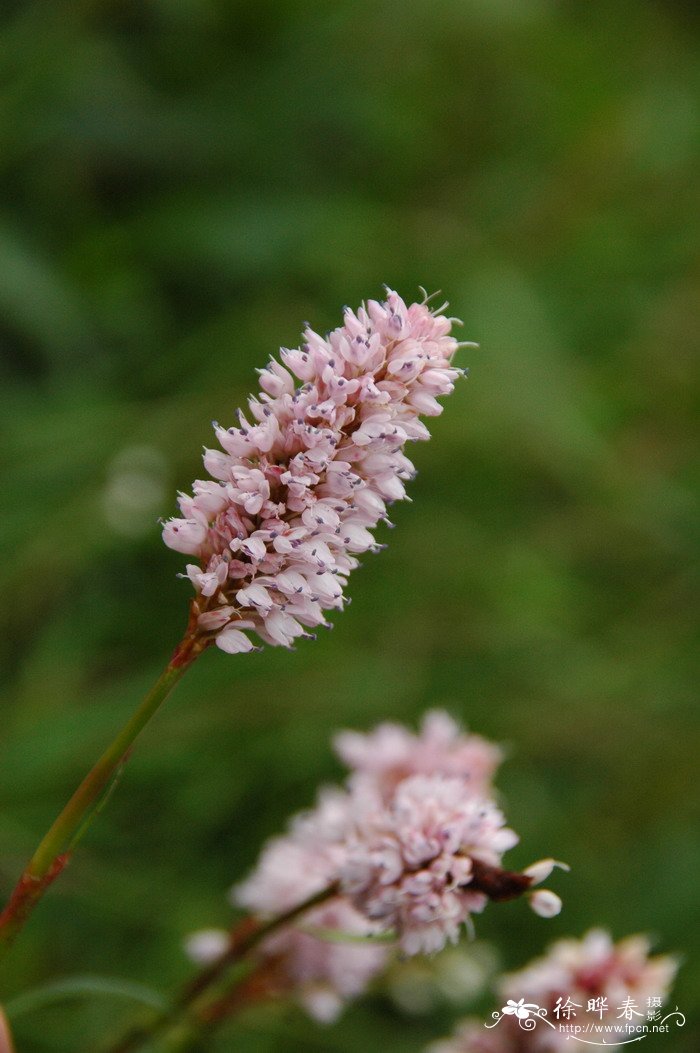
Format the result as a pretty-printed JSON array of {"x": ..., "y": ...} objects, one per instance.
[
  {"x": 391, "y": 752},
  {"x": 411, "y": 861},
  {"x": 302, "y": 482},
  {"x": 409, "y": 849},
  {"x": 593, "y": 975}
]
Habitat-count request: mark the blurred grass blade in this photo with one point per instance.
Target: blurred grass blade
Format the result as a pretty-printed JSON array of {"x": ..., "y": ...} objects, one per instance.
[
  {"x": 338, "y": 936},
  {"x": 80, "y": 987}
]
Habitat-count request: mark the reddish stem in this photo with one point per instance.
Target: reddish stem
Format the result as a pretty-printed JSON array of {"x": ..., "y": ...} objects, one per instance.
[
  {"x": 27, "y": 892},
  {"x": 54, "y": 850}
]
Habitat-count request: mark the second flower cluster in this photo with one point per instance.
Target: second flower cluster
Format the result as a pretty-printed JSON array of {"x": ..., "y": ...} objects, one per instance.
[{"x": 409, "y": 848}]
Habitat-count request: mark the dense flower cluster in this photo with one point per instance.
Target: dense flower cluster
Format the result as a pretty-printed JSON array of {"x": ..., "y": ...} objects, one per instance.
[
  {"x": 410, "y": 860},
  {"x": 295, "y": 493},
  {"x": 592, "y": 966},
  {"x": 595, "y": 975},
  {"x": 322, "y": 973},
  {"x": 391, "y": 753},
  {"x": 411, "y": 846}
]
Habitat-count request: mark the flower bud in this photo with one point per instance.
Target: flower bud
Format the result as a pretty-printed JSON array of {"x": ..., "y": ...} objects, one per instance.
[
  {"x": 540, "y": 871},
  {"x": 206, "y": 945},
  {"x": 545, "y": 903}
]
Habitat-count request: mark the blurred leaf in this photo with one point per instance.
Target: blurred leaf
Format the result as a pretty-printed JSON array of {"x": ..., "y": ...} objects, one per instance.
[{"x": 82, "y": 987}]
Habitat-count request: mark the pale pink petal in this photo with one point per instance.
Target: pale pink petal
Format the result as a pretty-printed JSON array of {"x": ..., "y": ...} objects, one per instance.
[{"x": 233, "y": 641}]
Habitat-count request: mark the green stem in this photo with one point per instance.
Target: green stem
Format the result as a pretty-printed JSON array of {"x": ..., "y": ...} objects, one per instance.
[
  {"x": 211, "y": 998},
  {"x": 194, "y": 1012},
  {"x": 55, "y": 848}
]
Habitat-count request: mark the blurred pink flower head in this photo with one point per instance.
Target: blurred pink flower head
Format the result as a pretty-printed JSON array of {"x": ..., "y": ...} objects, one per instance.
[
  {"x": 391, "y": 752},
  {"x": 410, "y": 861},
  {"x": 300, "y": 484},
  {"x": 594, "y": 967},
  {"x": 470, "y": 1036},
  {"x": 415, "y": 850},
  {"x": 596, "y": 975},
  {"x": 322, "y": 974}
]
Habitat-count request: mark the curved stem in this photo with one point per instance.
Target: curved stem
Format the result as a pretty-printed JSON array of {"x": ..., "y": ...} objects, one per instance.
[
  {"x": 204, "y": 1015},
  {"x": 55, "y": 848},
  {"x": 193, "y": 1011},
  {"x": 188, "y": 1033},
  {"x": 205, "y": 1004},
  {"x": 249, "y": 936}
]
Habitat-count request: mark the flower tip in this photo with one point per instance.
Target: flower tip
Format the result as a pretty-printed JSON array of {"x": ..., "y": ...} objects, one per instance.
[
  {"x": 545, "y": 903},
  {"x": 540, "y": 871}
]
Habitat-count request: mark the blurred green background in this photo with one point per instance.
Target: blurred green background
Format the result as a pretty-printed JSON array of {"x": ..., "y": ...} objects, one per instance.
[{"x": 183, "y": 183}]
